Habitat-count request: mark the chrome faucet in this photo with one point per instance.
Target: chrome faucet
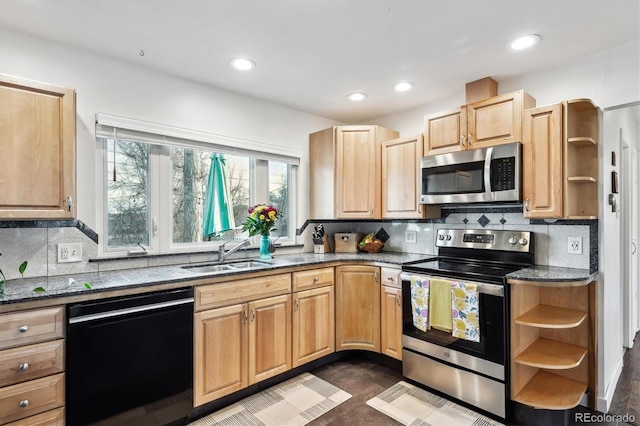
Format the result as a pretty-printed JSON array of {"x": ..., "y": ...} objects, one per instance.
[{"x": 222, "y": 254}]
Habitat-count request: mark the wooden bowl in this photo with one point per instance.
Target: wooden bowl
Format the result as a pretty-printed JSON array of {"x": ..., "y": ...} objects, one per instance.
[{"x": 372, "y": 247}]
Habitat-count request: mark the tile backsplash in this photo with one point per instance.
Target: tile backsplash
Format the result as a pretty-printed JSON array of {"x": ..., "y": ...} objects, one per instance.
[{"x": 38, "y": 245}]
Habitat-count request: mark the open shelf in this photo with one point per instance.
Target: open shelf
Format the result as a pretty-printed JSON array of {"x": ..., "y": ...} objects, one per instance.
[
  {"x": 545, "y": 316},
  {"x": 551, "y": 392},
  {"x": 582, "y": 141},
  {"x": 545, "y": 353}
]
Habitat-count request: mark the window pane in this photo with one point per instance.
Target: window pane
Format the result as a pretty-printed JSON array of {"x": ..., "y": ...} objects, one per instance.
[
  {"x": 279, "y": 195},
  {"x": 190, "y": 174},
  {"x": 128, "y": 193}
]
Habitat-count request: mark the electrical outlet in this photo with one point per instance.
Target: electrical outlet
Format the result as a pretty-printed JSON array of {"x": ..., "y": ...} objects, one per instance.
[
  {"x": 574, "y": 245},
  {"x": 410, "y": 237},
  {"x": 69, "y": 252}
]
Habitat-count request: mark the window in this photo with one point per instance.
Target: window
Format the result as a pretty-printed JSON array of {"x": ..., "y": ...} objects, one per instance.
[
  {"x": 128, "y": 193},
  {"x": 155, "y": 187}
]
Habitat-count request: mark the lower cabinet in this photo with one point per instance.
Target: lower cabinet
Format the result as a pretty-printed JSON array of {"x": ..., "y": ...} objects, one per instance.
[
  {"x": 391, "y": 313},
  {"x": 243, "y": 343},
  {"x": 313, "y": 324},
  {"x": 32, "y": 367},
  {"x": 358, "y": 308}
]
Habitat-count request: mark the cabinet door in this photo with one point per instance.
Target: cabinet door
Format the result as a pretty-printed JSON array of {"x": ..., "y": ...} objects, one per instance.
[
  {"x": 542, "y": 151},
  {"x": 313, "y": 324},
  {"x": 220, "y": 365},
  {"x": 37, "y": 142},
  {"x": 269, "y": 337},
  {"x": 358, "y": 308},
  {"x": 357, "y": 172},
  {"x": 495, "y": 121},
  {"x": 401, "y": 178},
  {"x": 391, "y": 321},
  {"x": 445, "y": 131}
]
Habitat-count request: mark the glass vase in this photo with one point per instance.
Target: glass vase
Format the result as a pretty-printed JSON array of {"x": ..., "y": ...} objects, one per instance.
[{"x": 264, "y": 247}]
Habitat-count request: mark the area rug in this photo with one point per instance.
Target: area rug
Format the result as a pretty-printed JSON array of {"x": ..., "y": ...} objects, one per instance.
[
  {"x": 413, "y": 406},
  {"x": 292, "y": 403}
]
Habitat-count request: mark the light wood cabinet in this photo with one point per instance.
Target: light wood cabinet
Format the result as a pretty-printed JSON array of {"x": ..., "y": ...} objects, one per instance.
[
  {"x": 245, "y": 342},
  {"x": 38, "y": 142},
  {"x": 401, "y": 180},
  {"x": 32, "y": 366},
  {"x": 493, "y": 121},
  {"x": 345, "y": 172},
  {"x": 391, "y": 313},
  {"x": 358, "y": 308},
  {"x": 313, "y": 324},
  {"x": 560, "y": 151},
  {"x": 542, "y": 162},
  {"x": 553, "y": 343}
]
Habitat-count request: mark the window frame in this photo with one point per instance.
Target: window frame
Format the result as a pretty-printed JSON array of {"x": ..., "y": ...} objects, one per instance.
[{"x": 160, "y": 225}]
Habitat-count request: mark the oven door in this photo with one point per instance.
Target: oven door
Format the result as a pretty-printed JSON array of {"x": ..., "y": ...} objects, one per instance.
[{"x": 492, "y": 316}]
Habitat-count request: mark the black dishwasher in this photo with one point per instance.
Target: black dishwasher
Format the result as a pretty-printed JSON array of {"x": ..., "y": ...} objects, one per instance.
[{"x": 128, "y": 352}]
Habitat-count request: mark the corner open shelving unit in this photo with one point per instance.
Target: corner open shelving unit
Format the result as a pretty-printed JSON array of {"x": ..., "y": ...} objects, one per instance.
[
  {"x": 581, "y": 127},
  {"x": 553, "y": 344}
]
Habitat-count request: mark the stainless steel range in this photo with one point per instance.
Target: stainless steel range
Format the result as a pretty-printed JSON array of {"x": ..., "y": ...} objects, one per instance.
[{"x": 473, "y": 369}]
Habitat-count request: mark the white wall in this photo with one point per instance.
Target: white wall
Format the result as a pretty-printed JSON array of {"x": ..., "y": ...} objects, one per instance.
[
  {"x": 609, "y": 78},
  {"x": 112, "y": 86}
]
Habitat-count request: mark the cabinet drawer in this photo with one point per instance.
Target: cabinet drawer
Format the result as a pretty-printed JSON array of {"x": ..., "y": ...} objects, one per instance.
[
  {"x": 390, "y": 277},
  {"x": 227, "y": 293},
  {"x": 24, "y": 327},
  {"x": 49, "y": 418},
  {"x": 30, "y": 398},
  {"x": 313, "y": 278},
  {"x": 31, "y": 362}
]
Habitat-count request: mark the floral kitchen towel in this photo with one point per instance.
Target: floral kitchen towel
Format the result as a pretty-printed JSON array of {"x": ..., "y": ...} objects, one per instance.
[
  {"x": 420, "y": 303},
  {"x": 464, "y": 311}
]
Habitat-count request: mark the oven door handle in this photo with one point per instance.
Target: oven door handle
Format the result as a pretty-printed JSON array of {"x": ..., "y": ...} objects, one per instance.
[{"x": 485, "y": 288}]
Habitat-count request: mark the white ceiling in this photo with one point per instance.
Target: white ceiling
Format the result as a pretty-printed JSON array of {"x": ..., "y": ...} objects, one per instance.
[{"x": 311, "y": 54}]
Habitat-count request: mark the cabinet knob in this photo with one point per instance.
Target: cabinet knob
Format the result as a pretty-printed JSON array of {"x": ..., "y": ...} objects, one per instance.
[
  {"x": 69, "y": 202},
  {"x": 316, "y": 279},
  {"x": 398, "y": 300},
  {"x": 23, "y": 328},
  {"x": 462, "y": 140},
  {"x": 24, "y": 366},
  {"x": 253, "y": 315},
  {"x": 246, "y": 316},
  {"x": 24, "y": 403},
  {"x": 469, "y": 139},
  {"x": 296, "y": 304},
  {"x": 526, "y": 204}
]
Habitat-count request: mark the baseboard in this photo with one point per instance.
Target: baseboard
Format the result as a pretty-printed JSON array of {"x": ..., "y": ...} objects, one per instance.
[{"x": 604, "y": 402}]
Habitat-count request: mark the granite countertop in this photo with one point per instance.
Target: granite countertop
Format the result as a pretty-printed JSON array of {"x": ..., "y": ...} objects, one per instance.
[
  {"x": 542, "y": 273},
  {"x": 21, "y": 290}
]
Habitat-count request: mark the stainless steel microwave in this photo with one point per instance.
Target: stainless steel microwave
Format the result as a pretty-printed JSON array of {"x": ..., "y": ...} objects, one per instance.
[{"x": 474, "y": 176}]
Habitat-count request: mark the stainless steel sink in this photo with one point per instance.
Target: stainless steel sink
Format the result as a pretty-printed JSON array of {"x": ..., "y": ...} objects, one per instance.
[{"x": 229, "y": 266}]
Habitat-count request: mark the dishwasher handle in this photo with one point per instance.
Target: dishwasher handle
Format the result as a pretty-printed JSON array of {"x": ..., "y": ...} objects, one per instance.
[{"x": 127, "y": 311}]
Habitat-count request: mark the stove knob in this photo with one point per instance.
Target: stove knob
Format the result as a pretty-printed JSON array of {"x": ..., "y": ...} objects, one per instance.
[
  {"x": 523, "y": 241},
  {"x": 441, "y": 237},
  {"x": 448, "y": 237},
  {"x": 513, "y": 240}
]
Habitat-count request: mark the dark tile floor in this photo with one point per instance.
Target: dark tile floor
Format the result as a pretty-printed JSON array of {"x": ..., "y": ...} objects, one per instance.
[
  {"x": 626, "y": 399},
  {"x": 363, "y": 379}
]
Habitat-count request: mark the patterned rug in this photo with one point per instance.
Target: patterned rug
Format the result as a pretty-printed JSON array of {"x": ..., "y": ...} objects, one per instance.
[
  {"x": 413, "y": 406},
  {"x": 292, "y": 403}
]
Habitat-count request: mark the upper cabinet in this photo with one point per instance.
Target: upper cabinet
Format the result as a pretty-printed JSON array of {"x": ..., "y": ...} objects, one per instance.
[
  {"x": 560, "y": 151},
  {"x": 345, "y": 172},
  {"x": 493, "y": 121},
  {"x": 401, "y": 180},
  {"x": 38, "y": 143}
]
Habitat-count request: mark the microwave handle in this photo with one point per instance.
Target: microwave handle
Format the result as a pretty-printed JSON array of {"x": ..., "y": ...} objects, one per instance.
[{"x": 487, "y": 170}]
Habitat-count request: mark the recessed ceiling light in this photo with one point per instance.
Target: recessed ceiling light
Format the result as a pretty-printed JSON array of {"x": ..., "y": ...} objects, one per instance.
[
  {"x": 356, "y": 96},
  {"x": 404, "y": 86},
  {"x": 524, "y": 42},
  {"x": 242, "y": 64}
]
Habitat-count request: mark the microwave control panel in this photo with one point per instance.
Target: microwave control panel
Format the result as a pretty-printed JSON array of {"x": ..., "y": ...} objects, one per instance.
[{"x": 503, "y": 174}]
